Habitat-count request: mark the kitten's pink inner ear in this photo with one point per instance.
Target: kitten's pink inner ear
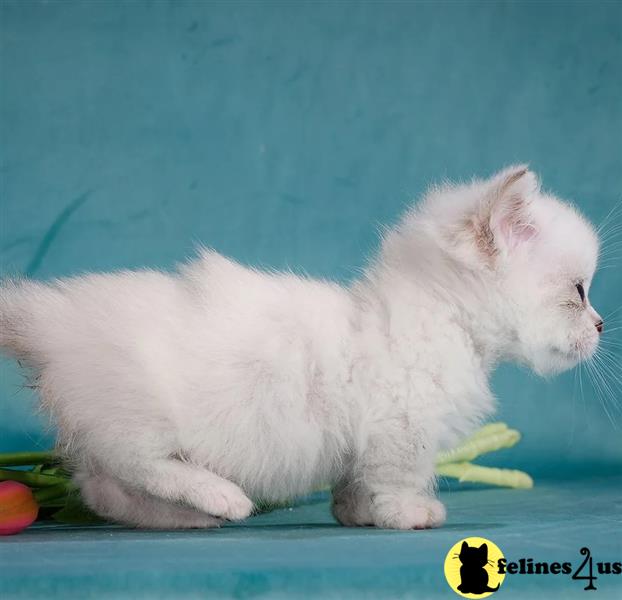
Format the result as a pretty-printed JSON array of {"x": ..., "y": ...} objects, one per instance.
[
  {"x": 510, "y": 219},
  {"x": 516, "y": 234}
]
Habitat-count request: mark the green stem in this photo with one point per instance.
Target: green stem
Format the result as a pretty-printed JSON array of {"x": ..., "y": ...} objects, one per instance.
[
  {"x": 466, "y": 471},
  {"x": 52, "y": 492},
  {"x": 477, "y": 445},
  {"x": 32, "y": 479},
  {"x": 16, "y": 459}
]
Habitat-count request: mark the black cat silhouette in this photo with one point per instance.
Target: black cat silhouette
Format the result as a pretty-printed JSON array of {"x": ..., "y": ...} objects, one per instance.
[{"x": 473, "y": 576}]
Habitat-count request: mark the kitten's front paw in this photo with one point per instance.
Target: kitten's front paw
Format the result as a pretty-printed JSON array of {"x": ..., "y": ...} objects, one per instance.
[{"x": 407, "y": 511}]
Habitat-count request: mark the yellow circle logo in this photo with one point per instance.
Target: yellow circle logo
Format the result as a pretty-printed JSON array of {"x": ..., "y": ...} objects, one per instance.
[{"x": 471, "y": 568}]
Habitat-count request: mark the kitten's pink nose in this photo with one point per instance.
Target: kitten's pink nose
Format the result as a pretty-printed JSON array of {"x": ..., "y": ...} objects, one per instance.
[{"x": 599, "y": 326}]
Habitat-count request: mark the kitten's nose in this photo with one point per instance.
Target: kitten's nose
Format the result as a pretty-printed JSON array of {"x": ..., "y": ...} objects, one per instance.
[{"x": 600, "y": 325}]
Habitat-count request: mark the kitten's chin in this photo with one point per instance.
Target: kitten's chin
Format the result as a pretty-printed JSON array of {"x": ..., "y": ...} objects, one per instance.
[{"x": 556, "y": 361}]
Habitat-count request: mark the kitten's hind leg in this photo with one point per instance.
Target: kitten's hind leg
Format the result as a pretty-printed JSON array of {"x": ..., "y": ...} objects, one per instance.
[
  {"x": 110, "y": 499},
  {"x": 144, "y": 457},
  {"x": 182, "y": 483}
]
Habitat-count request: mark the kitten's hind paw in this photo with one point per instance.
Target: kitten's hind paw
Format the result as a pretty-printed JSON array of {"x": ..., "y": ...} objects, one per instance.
[{"x": 228, "y": 501}]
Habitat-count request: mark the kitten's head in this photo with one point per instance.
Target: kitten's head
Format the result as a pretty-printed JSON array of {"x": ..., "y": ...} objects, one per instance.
[
  {"x": 548, "y": 256},
  {"x": 543, "y": 255},
  {"x": 532, "y": 257}
]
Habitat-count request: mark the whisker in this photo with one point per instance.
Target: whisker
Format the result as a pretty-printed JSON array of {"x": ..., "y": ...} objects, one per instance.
[
  {"x": 610, "y": 257},
  {"x": 607, "y": 240},
  {"x": 611, "y": 344},
  {"x": 607, "y": 233},
  {"x": 617, "y": 207},
  {"x": 609, "y": 368},
  {"x": 612, "y": 359},
  {"x": 605, "y": 384},
  {"x": 610, "y": 253},
  {"x": 581, "y": 387},
  {"x": 601, "y": 395},
  {"x": 610, "y": 243},
  {"x": 610, "y": 236},
  {"x": 606, "y": 228},
  {"x": 613, "y": 312}
]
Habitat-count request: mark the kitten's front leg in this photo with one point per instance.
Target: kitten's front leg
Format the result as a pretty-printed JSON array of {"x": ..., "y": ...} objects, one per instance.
[{"x": 391, "y": 485}]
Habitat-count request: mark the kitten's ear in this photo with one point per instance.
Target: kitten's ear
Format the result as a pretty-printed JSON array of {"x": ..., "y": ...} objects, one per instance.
[
  {"x": 464, "y": 546},
  {"x": 484, "y": 548},
  {"x": 505, "y": 214}
]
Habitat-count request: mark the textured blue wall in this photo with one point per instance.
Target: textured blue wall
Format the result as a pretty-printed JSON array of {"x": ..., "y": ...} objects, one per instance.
[{"x": 283, "y": 133}]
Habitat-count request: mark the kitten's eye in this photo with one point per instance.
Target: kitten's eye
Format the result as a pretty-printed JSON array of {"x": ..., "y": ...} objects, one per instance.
[{"x": 581, "y": 291}]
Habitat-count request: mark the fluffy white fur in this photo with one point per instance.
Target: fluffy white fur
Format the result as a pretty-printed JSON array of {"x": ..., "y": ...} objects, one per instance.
[{"x": 181, "y": 397}]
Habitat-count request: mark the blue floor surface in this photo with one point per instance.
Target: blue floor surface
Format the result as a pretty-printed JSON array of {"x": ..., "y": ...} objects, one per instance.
[{"x": 302, "y": 552}]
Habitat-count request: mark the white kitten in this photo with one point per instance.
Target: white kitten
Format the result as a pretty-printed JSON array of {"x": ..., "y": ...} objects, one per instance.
[{"x": 180, "y": 397}]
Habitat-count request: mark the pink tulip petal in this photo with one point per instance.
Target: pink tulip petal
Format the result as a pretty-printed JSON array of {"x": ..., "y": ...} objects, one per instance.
[{"x": 18, "y": 508}]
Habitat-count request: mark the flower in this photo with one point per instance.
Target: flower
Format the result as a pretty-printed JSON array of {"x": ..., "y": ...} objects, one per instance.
[{"x": 18, "y": 508}]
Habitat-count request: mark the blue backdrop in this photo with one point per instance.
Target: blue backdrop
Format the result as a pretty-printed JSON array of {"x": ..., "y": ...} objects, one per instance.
[{"x": 284, "y": 133}]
